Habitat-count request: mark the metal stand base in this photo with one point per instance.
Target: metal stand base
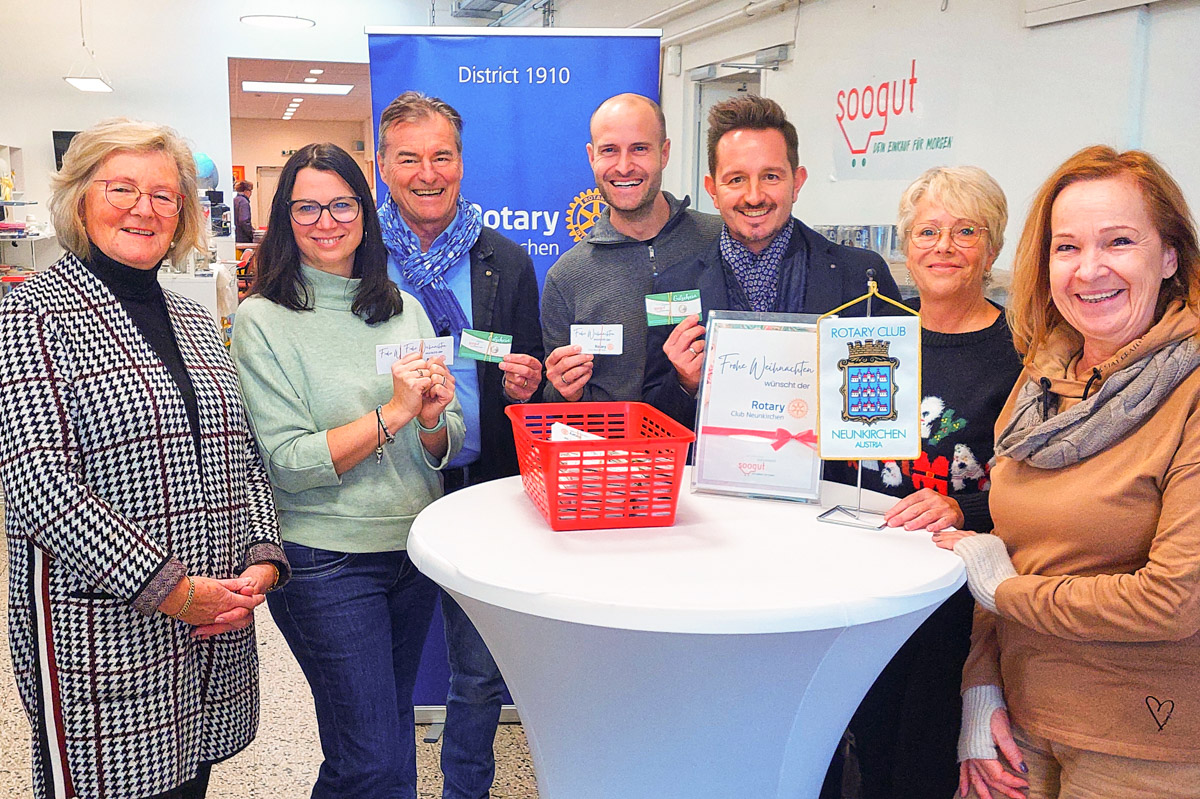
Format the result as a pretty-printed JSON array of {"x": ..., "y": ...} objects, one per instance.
[{"x": 852, "y": 517}]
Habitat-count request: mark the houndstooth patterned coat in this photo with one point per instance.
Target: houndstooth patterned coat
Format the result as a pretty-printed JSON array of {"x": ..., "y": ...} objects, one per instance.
[{"x": 107, "y": 506}]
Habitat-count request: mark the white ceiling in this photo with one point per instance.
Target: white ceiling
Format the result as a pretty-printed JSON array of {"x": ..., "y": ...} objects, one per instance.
[{"x": 267, "y": 105}]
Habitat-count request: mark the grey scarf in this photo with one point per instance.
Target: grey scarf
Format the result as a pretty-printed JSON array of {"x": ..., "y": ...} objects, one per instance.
[{"x": 1041, "y": 437}]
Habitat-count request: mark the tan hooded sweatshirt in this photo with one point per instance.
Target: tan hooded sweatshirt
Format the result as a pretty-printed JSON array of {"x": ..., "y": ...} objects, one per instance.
[{"x": 1097, "y": 642}]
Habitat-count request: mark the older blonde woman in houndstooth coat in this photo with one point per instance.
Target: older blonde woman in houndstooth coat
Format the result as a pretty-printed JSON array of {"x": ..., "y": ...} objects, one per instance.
[{"x": 140, "y": 522}]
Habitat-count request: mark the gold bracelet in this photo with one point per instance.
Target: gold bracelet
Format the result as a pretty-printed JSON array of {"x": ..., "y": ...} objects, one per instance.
[
  {"x": 274, "y": 582},
  {"x": 187, "y": 604}
]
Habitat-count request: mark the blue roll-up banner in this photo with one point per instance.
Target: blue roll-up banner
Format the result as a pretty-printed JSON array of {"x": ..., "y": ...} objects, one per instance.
[{"x": 526, "y": 96}]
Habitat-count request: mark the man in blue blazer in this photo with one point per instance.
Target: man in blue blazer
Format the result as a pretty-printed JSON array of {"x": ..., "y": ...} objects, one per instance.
[{"x": 764, "y": 260}]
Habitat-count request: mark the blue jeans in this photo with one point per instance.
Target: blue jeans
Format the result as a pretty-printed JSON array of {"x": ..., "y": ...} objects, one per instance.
[
  {"x": 356, "y": 624},
  {"x": 472, "y": 708}
]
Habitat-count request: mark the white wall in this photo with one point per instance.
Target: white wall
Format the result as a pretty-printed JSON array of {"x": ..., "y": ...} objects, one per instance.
[
  {"x": 1018, "y": 100},
  {"x": 167, "y": 62}
]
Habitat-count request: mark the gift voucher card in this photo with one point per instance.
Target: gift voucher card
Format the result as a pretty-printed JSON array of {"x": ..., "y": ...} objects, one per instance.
[
  {"x": 387, "y": 354},
  {"x": 598, "y": 339},
  {"x": 480, "y": 345},
  {"x": 563, "y": 432},
  {"x": 672, "y": 307}
]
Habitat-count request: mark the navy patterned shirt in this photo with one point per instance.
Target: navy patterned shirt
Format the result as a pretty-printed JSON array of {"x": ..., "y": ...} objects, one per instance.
[{"x": 758, "y": 274}]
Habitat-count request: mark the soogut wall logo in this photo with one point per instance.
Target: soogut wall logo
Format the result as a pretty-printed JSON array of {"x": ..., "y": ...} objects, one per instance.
[{"x": 865, "y": 112}]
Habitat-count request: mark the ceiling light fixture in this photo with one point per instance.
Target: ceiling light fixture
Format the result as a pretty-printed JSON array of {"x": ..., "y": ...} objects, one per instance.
[
  {"x": 297, "y": 99},
  {"x": 277, "y": 21},
  {"x": 296, "y": 88},
  {"x": 316, "y": 72},
  {"x": 89, "y": 78},
  {"x": 310, "y": 80}
]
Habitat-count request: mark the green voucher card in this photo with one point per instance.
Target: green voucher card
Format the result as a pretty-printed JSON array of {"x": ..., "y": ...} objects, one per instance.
[
  {"x": 672, "y": 307},
  {"x": 480, "y": 345}
]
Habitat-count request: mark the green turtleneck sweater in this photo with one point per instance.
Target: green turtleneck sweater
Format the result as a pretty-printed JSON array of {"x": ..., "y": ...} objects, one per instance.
[{"x": 306, "y": 372}]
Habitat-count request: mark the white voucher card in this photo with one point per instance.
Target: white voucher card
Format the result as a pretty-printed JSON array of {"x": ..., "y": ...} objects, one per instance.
[
  {"x": 387, "y": 354},
  {"x": 756, "y": 421},
  {"x": 870, "y": 386},
  {"x": 598, "y": 339}
]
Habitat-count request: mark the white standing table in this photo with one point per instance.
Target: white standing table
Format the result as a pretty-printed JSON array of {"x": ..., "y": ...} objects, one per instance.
[{"x": 721, "y": 657}]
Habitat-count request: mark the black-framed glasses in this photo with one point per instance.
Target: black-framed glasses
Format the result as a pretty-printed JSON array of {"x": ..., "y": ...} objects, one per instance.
[
  {"x": 963, "y": 234},
  {"x": 341, "y": 209},
  {"x": 124, "y": 196}
]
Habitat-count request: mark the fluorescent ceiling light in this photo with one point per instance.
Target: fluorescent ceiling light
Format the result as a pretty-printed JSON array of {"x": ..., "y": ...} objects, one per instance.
[
  {"x": 316, "y": 72},
  {"x": 310, "y": 80},
  {"x": 277, "y": 21},
  {"x": 296, "y": 88},
  {"x": 90, "y": 84},
  {"x": 297, "y": 99}
]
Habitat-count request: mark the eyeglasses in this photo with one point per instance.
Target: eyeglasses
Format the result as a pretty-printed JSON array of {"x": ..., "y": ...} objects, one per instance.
[
  {"x": 963, "y": 235},
  {"x": 341, "y": 209},
  {"x": 125, "y": 196}
]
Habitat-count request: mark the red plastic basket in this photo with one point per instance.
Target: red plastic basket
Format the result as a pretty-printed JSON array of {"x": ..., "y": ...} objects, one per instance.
[{"x": 630, "y": 479}]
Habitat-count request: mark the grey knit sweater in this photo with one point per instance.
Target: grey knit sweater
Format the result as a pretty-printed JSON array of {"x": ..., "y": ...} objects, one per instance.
[{"x": 604, "y": 280}]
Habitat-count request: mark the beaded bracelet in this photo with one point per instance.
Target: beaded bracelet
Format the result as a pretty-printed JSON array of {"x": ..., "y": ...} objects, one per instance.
[{"x": 382, "y": 436}]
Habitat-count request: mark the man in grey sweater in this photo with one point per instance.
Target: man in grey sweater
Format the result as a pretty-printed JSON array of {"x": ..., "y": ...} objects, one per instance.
[{"x": 605, "y": 278}]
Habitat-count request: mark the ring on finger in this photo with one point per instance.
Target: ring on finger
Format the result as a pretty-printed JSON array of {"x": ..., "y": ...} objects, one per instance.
[{"x": 524, "y": 382}]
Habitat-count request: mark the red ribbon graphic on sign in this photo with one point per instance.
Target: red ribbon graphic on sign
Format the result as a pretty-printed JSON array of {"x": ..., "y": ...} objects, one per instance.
[{"x": 779, "y": 437}]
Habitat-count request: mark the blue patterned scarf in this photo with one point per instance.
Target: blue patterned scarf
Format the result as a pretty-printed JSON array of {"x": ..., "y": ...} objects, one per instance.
[
  {"x": 426, "y": 271},
  {"x": 757, "y": 274}
]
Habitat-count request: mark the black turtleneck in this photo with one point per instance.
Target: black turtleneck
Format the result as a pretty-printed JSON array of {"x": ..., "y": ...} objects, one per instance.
[{"x": 142, "y": 298}]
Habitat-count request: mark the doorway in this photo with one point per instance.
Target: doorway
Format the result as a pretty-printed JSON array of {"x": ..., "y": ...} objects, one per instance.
[{"x": 708, "y": 94}]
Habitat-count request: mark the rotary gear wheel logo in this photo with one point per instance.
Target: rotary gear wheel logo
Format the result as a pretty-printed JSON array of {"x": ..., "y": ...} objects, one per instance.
[{"x": 583, "y": 212}]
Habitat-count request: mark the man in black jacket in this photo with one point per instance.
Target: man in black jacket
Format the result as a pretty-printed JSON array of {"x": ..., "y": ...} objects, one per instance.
[
  {"x": 465, "y": 276},
  {"x": 764, "y": 260}
]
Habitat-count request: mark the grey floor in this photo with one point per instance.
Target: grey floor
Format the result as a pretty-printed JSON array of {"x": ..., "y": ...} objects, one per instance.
[{"x": 282, "y": 762}]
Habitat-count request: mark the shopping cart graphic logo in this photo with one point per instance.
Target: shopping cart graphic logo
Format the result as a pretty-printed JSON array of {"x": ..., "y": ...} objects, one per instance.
[{"x": 863, "y": 111}]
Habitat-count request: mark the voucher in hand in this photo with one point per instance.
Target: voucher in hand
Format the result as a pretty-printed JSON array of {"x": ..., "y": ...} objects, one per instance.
[
  {"x": 480, "y": 345},
  {"x": 671, "y": 307},
  {"x": 387, "y": 354},
  {"x": 598, "y": 339}
]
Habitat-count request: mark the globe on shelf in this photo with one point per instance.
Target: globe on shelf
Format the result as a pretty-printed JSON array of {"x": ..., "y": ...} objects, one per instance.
[{"x": 207, "y": 175}]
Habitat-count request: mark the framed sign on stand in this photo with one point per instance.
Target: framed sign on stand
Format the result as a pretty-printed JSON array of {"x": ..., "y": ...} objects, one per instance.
[{"x": 756, "y": 415}]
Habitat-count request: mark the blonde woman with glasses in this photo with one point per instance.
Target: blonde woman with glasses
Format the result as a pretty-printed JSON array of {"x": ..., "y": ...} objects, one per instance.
[
  {"x": 141, "y": 531},
  {"x": 952, "y": 221}
]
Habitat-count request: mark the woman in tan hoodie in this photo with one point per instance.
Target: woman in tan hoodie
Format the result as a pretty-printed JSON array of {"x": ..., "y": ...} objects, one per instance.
[{"x": 1085, "y": 657}]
